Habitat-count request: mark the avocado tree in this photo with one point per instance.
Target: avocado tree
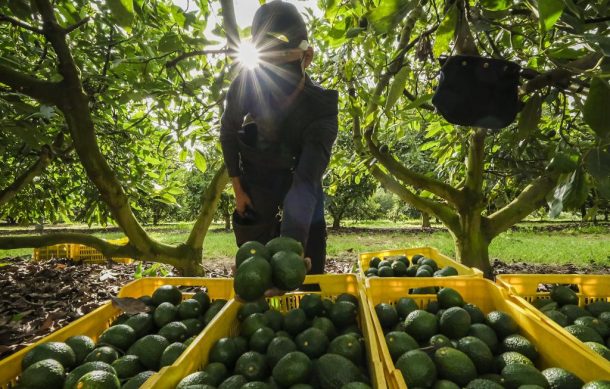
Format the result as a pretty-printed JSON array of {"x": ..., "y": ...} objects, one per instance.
[
  {"x": 385, "y": 55},
  {"x": 120, "y": 92}
]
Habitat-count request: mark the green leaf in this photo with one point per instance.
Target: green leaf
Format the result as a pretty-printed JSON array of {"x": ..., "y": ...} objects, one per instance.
[
  {"x": 446, "y": 31},
  {"x": 122, "y": 12},
  {"x": 423, "y": 99},
  {"x": 549, "y": 11},
  {"x": 354, "y": 32},
  {"x": 570, "y": 193},
  {"x": 388, "y": 14},
  {"x": 170, "y": 42},
  {"x": 596, "y": 113},
  {"x": 496, "y": 5},
  {"x": 396, "y": 89},
  {"x": 598, "y": 163},
  {"x": 530, "y": 117},
  {"x": 200, "y": 162}
]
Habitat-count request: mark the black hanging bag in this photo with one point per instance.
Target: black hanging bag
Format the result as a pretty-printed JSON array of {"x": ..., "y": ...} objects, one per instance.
[{"x": 478, "y": 92}]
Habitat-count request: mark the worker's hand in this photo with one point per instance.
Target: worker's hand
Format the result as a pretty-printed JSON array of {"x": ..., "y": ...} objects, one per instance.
[{"x": 242, "y": 201}]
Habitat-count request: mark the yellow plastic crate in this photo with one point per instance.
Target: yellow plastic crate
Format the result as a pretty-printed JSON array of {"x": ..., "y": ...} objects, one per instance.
[
  {"x": 554, "y": 349},
  {"x": 55, "y": 251},
  {"x": 429, "y": 252},
  {"x": 95, "y": 322},
  {"x": 77, "y": 252},
  {"x": 196, "y": 357},
  {"x": 86, "y": 254},
  {"x": 591, "y": 288}
]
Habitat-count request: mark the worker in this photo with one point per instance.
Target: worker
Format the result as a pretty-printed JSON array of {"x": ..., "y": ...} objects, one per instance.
[{"x": 277, "y": 132}]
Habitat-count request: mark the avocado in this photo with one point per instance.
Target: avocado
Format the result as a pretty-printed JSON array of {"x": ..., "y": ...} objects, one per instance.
[
  {"x": 399, "y": 343},
  {"x": 81, "y": 345},
  {"x": 47, "y": 373},
  {"x": 167, "y": 294},
  {"x": 252, "y": 365},
  {"x": 486, "y": 334},
  {"x": 521, "y": 345},
  {"x": 294, "y": 368},
  {"x": 454, "y": 365},
  {"x": 252, "y": 279},
  {"x": 347, "y": 346},
  {"x": 279, "y": 347},
  {"x": 404, "y": 306},
  {"x": 478, "y": 352},
  {"x": 149, "y": 350},
  {"x": 334, "y": 371},
  {"x": 58, "y": 351},
  {"x": 417, "y": 369},
  {"x": 260, "y": 339},
  {"x": 224, "y": 351},
  {"x": 561, "y": 378},
  {"x": 250, "y": 249},
  {"x": 283, "y": 243},
  {"x": 421, "y": 325},
  {"x": 313, "y": 342},
  {"x": 515, "y": 375},
  {"x": 455, "y": 322},
  {"x": 563, "y": 295},
  {"x": 502, "y": 323},
  {"x": 288, "y": 270},
  {"x": 127, "y": 366},
  {"x": 387, "y": 315},
  {"x": 312, "y": 305},
  {"x": 165, "y": 313}
]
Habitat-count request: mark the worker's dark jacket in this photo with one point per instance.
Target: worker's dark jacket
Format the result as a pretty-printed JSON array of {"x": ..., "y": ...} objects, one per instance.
[{"x": 280, "y": 157}]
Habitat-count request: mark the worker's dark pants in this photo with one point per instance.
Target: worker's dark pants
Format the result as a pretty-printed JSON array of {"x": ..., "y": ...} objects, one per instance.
[{"x": 267, "y": 189}]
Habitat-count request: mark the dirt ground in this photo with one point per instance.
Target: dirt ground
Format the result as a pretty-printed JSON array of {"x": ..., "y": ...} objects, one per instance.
[{"x": 37, "y": 298}]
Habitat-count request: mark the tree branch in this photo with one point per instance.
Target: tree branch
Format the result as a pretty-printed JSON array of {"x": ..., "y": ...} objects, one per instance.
[
  {"x": 560, "y": 77},
  {"x": 529, "y": 200},
  {"x": 26, "y": 177},
  {"x": 412, "y": 97},
  {"x": 76, "y": 25},
  {"x": 183, "y": 56},
  {"x": 475, "y": 162},
  {"x": 444, "y": 213},
  {"x": 410, "y": 177},
  {"x": 43, "y": 91},
  {"x": 19, "y": 23},
  {"x": 439, "y": 210},
  {"x": 34, "y": 241},
  {"x": 230, "y": 24},
  {"x": 75, "y": 107},
  {"x": 209, "y": 203}
]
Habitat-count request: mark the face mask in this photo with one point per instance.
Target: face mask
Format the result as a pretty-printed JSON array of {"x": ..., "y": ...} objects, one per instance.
[{"x": 281, "y": 80}]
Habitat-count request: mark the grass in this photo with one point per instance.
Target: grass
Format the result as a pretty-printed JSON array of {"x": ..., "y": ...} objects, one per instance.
[{"x": 578, "y": 245}]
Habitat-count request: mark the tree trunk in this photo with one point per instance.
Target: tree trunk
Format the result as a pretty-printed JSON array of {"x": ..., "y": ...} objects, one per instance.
[
  {"x": 227, "y": 222},
  {"x": 425, "y": 220},
  {"x": 336, "y": 222},
  {"x": 472, "y": 249}
]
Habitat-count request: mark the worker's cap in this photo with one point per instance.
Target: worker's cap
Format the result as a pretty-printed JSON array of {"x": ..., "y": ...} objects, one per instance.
[{"x": 279, "y": 25}]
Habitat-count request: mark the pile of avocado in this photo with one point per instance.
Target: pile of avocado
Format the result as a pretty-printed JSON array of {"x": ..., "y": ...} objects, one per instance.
[
  {"x": 317, "y": 345},
  {"x": 451, "y": 344},
  {"x": 590, "y": 325},
  {"x": 399, "y": 266},
  {"x": 126, "y": 354},
  {"x": 260, "y": 267}
]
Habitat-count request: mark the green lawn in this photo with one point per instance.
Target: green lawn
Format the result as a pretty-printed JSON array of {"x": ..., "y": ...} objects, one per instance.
[{"x": 576, "y": 245}]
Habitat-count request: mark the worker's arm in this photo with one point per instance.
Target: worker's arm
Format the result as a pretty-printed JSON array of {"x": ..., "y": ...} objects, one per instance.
[
  {"x": 300, "y": 201},
  {"x": 230, "y": 123}
]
